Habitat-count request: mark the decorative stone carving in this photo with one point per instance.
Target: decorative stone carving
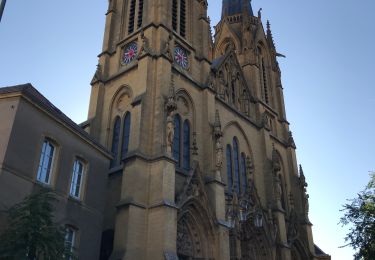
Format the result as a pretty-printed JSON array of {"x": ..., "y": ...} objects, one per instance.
[
  {"x": 293, "y": 231},
  {"x": 167, "y": 50},
  {"x": 291, "y": 142},
  {"x": 194, "y": 147},
  {"x": 145, "y": 47},
  {"x": 303, "y": 186},
  {"x": 266, "y": 121},
  {"x": 218, "y": 137},
  {"x": 278, "y": 188},
  {"x": 98, "y": 75},
  {"x": 171, "y": 107},
  {"x": 276, "y": 163},
  {"x": 184, "y": 239},
  {"x": 170, "y": 256}
]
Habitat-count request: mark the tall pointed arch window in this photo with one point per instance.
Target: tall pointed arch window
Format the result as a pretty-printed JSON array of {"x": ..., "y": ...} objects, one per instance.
[
  {"x": 120, "y": 139},
  {"x": 125, "y": 135},
  {"x": 181, "y": 143},
  {"x": 179, "y": 17},
  {"x": 115, "y": 141},
  {"x": 177, "y": 140},
  {"x": 186, "y": 145},
  {"x": 236, "y": 166},
  {"x": 228, "y": 154},
  {"x": 243, "y": 173}
]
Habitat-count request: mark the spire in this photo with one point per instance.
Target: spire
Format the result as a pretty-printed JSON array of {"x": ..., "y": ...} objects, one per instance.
[{"x": 232, "y": 7}]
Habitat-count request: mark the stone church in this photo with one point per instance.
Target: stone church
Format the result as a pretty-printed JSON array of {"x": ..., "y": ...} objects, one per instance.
[{"x": 186, "y": 153}]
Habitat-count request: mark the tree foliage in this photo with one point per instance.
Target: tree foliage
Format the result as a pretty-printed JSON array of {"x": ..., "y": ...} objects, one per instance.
[
  {"x": 360, "y": 215},
  {"x": 31, "y": 232}
]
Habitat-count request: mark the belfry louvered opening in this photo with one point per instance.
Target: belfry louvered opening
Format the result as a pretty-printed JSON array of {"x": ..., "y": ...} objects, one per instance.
[
  {"x": 179, "y": 16},
  {"x": 135, "y": 15}
]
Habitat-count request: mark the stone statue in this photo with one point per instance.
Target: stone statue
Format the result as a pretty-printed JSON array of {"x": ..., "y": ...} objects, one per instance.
[
  {"x": 170, "y": 107},
  {"x": 260, "y": 14},
  {"x": 170, "y": 133},
  {"x": 218, "y": 137},
  {"x": 278, "y": 190},
  {"x": 219, "y": 153},
  {"x": 307, "y": 206}
]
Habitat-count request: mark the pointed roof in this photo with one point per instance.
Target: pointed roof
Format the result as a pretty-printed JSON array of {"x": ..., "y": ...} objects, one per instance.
[{"x": 232, "y": 7}]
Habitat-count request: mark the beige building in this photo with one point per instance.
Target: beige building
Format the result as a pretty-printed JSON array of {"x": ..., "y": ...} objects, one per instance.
[{"x": 203, "y": 163}]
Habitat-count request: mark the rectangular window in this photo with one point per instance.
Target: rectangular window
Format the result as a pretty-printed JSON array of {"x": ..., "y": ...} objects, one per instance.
[
  {"x": 77, "y": 176},
  {"x": 70, "y": 236},
  {"x": 45, "y": 163}
]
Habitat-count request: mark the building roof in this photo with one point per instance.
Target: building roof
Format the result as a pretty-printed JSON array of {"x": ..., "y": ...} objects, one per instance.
[
  {"x": 319, "y": 252},
  {"x": 232, "y": 7},
  {"x": 35, "y": 96}
]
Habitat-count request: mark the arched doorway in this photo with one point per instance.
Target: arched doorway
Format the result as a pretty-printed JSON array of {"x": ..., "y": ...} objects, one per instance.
[{"x": 194, "y": 233}]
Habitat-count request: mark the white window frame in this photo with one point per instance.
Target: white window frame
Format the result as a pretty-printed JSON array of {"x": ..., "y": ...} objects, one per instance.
[
  {"x": 73, "y": 240},
  {"x": 43, "y": 157},
  {"x": 74, "y": 183}
]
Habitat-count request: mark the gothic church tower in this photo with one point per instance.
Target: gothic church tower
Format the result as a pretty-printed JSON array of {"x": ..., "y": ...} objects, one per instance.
[{"x": 204, "y": 165}]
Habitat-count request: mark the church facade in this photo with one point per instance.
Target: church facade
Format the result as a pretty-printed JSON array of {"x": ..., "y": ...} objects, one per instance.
[{"x": 195, "y": 158}]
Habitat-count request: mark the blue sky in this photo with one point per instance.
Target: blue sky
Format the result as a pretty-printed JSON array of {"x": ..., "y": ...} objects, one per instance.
[{"x": 328, "y": 79}]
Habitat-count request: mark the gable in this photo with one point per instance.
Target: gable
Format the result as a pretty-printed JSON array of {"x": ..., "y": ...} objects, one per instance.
[{"x": 227, "y": 80}]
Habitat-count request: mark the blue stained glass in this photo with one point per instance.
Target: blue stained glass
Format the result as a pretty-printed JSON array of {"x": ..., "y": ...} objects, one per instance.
[
  {"x": 125, "y": 135},
  {"x": 229, "y": 168},
  {"x": 186, "y": 146},
  {"x": 236, "y": 166},
  {"x": 115, "y": 141},
  {"x": 176, "y": 140},
  {"x": 243, "y": 173}
]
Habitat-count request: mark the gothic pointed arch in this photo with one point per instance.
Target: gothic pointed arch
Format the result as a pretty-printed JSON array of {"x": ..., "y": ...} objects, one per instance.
[
  {"x": 257, "y": 235},
  {"x": 120, "y": 104},
  {"x": 195, "y": 224},
  {"x": 238, "y": 158},
  {"x": 229, "y": 84},
  {"x": 225, "y": 35}
]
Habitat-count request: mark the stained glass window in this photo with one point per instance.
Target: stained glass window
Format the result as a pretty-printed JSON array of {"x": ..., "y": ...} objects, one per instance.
[
  {"x": 115, "y": 141},
  {"x": 236, "y": 166},
  {"x": 243, "y": 173},
  {"x": 176, "y": 140},
  {"x": 229, "y": 168},
  {"x": 45, "y": 163},
  {"x": 125, "y": 135},
  {"x": 186, "y": 146}
]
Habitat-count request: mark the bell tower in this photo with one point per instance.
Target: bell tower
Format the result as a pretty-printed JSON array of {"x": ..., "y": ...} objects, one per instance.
[{"x": 149, "y": 49}]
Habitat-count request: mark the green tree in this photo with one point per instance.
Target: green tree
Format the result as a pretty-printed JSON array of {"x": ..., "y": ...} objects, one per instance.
[
  {"x": 32, "y": 233},
  {"x": 360, "y": 215}
]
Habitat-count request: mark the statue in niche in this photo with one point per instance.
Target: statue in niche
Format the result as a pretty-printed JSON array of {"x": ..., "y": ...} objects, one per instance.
[
  {"x": 170, "y": 133},
  {"x": 219, "y": 155},
  {"x": 266, "y": 121},
  {"x": 171, "y": 107},
  {"x": 278, "y": 190},
  {"x": 218, "y": 136}
]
